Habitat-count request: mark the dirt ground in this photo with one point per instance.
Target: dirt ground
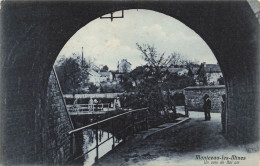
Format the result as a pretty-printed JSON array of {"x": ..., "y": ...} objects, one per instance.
[{"x": 185, "y": 144}]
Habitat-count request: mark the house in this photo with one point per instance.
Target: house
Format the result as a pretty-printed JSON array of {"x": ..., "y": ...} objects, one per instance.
[
  {"x": 95, "y": 77},
  {"x": 95, "y": 68},
  {"x": 124, "y": 66},
  {"x": 212, "y": 73},
  {"x": 179, "y": 71},
  {"x": 107, "y": 74},
  {"x": 118, "y": 77}
]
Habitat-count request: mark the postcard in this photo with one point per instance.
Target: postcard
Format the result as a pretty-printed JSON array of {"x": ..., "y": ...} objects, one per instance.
[{"x": 117, "y": 83}]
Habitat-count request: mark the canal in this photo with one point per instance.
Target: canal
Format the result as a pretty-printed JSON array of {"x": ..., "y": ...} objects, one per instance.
[{"x": 89, "y": 142}]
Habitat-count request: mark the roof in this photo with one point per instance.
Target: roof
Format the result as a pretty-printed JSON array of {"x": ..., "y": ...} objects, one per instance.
[
  {"x": 175, "y": 70},
  {"x": 194, "y": 69},
  {"x": 124, "y": 60},
  {"x": 212, "y": 68},
  {"x": 93, "y": 73},
  {"x": 205, "y": 87},
  {"x": 105, "y": 73}
]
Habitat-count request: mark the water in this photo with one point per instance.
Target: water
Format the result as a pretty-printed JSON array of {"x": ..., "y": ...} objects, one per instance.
[{"x": 89, "y": 142}]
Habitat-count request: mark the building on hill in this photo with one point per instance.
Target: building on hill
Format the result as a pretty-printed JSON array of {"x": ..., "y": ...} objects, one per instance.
[
  {"x": 211, "y": 72},
  {"x": 107, "y": 74},
  {"x": 124, "y": 66},
  {"x": 95, "y": 68},
  {"x": 179, "y": 71},
  {"x": 95, "y": 77}
]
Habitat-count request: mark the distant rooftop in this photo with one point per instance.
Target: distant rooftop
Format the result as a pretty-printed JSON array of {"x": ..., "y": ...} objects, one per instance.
[
  {"x": 212, "y": 68},
  {"x": 205, "y": 87},
  {"x": 105, "y": 73}
]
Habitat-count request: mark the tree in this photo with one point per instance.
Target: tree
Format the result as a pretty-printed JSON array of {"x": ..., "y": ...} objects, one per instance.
[
  {"x": 175, "y": 81},
  {"x": 202, "y": 77},
  {"x": 126, "y": 82},
  {"x": 92, "y": 88},
  {"x": 69, "y": 74},
  {"x": 124, "y": 67},
  {"x": 89, "y": 62},
  {"x": 221, "y": 80},
  {"x": 150, "y": 85},
  {"x": 190, "y": 73},
  {"x": 104, "y": 69},
  {"x": 158, "y": 65},
  {"x": 73, "y": 76}
]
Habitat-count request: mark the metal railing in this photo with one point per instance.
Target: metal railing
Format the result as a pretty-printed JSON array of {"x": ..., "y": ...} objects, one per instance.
[
  {"x": 89, "y": 107},
  {"x": 133, "y": 124}
]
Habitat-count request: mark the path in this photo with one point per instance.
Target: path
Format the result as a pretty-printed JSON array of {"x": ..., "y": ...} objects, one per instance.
[{"x": 179, "y": 146}]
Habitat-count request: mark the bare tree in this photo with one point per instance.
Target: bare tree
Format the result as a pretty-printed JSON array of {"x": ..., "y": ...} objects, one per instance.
[
  {"x": 158, "y": 65},
  {"x": 153, "y": 58}
]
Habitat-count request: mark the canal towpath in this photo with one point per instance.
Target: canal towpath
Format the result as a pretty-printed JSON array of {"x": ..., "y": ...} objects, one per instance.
[{"x": 178, "y": 145}]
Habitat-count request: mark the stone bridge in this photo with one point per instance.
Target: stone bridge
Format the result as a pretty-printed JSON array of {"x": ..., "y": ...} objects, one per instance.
[{"x": 33, "y": 33}]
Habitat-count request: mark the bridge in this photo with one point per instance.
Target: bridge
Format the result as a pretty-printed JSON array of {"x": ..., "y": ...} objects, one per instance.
[{"x": 34, "y": 125}]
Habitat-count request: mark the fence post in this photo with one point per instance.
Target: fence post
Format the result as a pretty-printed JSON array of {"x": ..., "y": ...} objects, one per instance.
[
  {"x": 186, "y": 111},
  {"x": 96, "y": 159},
  {"x": 113, "y": 133}
]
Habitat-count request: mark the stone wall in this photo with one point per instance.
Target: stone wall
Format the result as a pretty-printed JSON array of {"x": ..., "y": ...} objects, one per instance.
[
  {"x": 194, "y": 97},
  {"x": 58, "y": 142}
]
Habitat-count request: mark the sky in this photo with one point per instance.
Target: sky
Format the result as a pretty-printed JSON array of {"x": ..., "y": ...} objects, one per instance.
[{"x": 108, "y": 42}]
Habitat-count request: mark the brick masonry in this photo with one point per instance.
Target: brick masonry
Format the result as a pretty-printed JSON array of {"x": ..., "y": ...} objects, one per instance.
[
  {"x": 194, "y": 97},
  {"x": 58, "y": 125}
]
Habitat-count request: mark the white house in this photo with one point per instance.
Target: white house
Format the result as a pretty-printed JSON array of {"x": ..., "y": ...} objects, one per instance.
[
  {"x": 107, "y": 74},
  {"x": 124, "y": 66},
  {"x": 95, "y": 77},
  {"x": 212, "y": 72},
  {"x": 179, "y": 71}
]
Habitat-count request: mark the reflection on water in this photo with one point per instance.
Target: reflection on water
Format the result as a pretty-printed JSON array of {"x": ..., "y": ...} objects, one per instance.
[{"x": 89, "y": 138}]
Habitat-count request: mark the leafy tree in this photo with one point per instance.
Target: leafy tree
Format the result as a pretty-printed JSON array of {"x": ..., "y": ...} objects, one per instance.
[
  {"x": 176, "y": 81},
  {"x": 126, "y": 82},
  {"x": 89, "y": 62},
  {"x": 202, "y": 77},
  {"x": 92, "y": 88},
  {"x": 69, "y": 74},
  {"x": 73, "y": 76},
  {"x": 104, "y": 69},
  {"x": 190, "y": 73},
  {"x": 153, "y": 81},
  {"x": 124, "y": 68},
  {"x": 158, "y": 65},
  {"x": 221, "y": 80},
  {"x": 111, "y": 88}
]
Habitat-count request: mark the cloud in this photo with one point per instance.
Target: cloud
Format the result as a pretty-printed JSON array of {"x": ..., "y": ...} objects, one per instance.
[
  {"x": 154, "y": 30},
  {"x": 110, "y": 42}
]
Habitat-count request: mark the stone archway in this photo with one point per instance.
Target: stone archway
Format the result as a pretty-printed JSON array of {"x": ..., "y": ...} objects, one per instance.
[{"x": 33, "y": 33}]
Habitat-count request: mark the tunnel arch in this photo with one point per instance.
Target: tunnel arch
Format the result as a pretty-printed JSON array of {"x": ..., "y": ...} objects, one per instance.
[{"x": 28, "y": 53}]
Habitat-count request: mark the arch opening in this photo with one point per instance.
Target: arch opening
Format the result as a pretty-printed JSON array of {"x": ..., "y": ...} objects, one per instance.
[{"x": 114, "y": 43}]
